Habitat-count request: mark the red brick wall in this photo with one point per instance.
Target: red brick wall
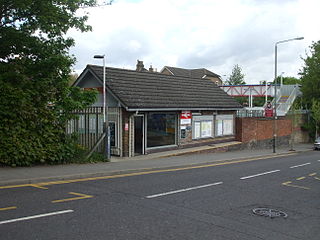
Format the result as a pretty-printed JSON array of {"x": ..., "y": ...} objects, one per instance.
[{"x": 255, "y": 129}]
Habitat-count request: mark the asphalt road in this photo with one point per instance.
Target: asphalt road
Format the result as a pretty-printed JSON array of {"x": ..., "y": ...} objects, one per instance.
[{"x": 213, "y": 201}]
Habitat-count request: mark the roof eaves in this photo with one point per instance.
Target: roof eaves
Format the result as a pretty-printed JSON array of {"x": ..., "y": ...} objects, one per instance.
[
  {"x": 108, "y": 90},
  {"x": 182, "y": 109}
]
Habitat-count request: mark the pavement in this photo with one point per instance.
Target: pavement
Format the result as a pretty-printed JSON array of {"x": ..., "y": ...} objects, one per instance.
[{"x": 168, "y": 159}]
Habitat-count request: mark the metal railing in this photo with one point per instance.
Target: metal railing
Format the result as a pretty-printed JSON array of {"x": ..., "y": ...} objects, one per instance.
[
  {"x": 283, "y": 108},
  {"x": 285, "y": 90},
  {"x": 250, "y": 113}
]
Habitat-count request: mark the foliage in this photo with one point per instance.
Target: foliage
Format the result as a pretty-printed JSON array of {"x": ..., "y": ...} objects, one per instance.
[
  {"x": 35, "y": 98},
  {"x": 79, "y": 155},
  {"x": 297, "y": 104},
  {"x": 236, "y": 77},
  {"x": 73, "y": 78},
  {"x": 257, "y": 101},
  {"x": 309, "y": 127},
  {"x": 315, "y": 109},
  {"x": 288, "y": 80},
  {"x": 310, "y": 75}
]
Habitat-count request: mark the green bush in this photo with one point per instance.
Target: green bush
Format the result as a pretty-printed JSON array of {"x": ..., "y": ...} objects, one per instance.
[{"x": 35, "y": 97}]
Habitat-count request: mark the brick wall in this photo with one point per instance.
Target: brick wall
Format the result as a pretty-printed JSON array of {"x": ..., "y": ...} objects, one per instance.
[{"x": 257, "y": 129}]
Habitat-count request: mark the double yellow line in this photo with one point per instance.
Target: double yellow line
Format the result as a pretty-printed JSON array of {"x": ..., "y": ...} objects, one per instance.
[{"x": 43, "y": 185}]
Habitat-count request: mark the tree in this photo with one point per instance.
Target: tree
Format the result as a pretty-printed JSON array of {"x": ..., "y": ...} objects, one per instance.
[
  {"x": 35, "y": 67},
  {"x": 73, "y": 78},
  {"x": 288, "y": 80},
  {"x": 315, "y": 110},
  {"x": 236, "y": 77},
  {"x": 310, "y": 75}
]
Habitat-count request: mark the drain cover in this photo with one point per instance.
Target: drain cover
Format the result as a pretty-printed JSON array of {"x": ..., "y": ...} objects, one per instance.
[{"x": 268, "y": 212}]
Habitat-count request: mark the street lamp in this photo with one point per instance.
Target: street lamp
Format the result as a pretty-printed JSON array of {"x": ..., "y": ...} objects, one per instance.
[
  {"x": 106, "y": 128},
  {"x": 275, "y": 87}
]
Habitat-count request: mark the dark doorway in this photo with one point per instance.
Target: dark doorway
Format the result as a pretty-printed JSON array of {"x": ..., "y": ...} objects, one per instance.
[{"x": 138, "y": 135}]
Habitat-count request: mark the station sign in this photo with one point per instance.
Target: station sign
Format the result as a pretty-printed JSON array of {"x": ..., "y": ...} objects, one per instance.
[{"x": 185, "y": 117}]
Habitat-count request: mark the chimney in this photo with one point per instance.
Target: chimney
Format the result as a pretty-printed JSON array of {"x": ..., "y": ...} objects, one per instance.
[
  {"x": 150, "y": 68},
  {"x": 140, "y": 66}
]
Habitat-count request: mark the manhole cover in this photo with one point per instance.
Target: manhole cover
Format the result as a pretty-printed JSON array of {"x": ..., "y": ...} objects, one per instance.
[{"x": 268, "y": 212}]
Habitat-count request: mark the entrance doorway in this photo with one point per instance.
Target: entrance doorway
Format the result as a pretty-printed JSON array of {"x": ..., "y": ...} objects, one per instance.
[{"x": 138, "y": 135}]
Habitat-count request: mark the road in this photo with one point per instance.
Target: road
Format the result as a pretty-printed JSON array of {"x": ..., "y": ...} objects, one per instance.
[{"x": 210, "y": 201}]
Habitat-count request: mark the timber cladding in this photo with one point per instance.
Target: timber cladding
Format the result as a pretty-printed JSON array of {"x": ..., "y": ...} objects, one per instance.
[
  {"x": 125, "y": 131},
  {"x": 255, "y": 129}
]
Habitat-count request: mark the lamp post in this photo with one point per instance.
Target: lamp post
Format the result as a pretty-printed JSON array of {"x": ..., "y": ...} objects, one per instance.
[
  {"x": 106, "y": 128},
  {"x": 275, "y": 87}
]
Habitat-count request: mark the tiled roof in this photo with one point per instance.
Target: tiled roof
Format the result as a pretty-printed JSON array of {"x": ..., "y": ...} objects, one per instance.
[
  {"x": 147, "y": 90},
  {"x": 194, "y": 73}
]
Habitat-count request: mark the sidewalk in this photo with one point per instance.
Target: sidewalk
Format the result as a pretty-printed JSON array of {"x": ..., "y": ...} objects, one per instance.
[{"x": 182, "y": 157}]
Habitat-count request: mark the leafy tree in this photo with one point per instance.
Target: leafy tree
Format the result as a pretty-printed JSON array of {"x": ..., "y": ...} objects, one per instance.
[
  {"x": 35, "y": 98},
  {"x": 310, "y": 75},
  {"x": 315, "y": 109},
  {"x": 257, "y": 101},
  {"x": 73, "y": 78},
  {"x": 288, "y": 80},
  {"x": 236, "y": 77}
]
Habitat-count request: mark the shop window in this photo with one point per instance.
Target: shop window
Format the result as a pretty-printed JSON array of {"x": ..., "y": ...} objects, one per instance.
[
  {"x": 202, "y": 127},
  {"x": 161, "y": 129},
  {"x": 224, "y": 125}
]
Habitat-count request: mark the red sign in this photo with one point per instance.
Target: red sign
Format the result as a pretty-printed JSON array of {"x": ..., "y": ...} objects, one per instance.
[
  {"x": 268, "y": 112},
  {"x": 185, "y": 115}
]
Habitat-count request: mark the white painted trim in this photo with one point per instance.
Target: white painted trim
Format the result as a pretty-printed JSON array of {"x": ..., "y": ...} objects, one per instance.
[{"x": 165, "y": 67}]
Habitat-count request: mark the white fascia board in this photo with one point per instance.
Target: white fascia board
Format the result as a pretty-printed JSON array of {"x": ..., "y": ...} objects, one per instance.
[
  {"x": 86, "y": 71},
  {"x": 165, "y": 67},
  {"x": 179, "y": 109}
]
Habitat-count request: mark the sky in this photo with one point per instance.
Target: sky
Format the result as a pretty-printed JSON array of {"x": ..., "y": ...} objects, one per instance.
[{"x": 211, "y": 34}]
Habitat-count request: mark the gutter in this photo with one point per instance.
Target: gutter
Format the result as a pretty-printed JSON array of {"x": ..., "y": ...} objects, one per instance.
[{"x": 179, "y": 109}]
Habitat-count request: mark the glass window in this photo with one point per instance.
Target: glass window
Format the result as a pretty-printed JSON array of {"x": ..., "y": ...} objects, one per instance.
[
  {"x": 206, "y": 128},
  {"x": 161, "y": 129},
  {"x": 224, "y": 125},
  {"x": 202, "y": 126},
  {"x": 197, "y": 129},
  {"x": 228, "y": 127}
]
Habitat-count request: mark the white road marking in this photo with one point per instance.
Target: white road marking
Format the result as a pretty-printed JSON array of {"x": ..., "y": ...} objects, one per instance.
[
  {"x": 35, "y": 216},
  {"x": 260, "y": 174},
  {"x": 301, "y": 165},
  {"x": 183, "y": 190}
]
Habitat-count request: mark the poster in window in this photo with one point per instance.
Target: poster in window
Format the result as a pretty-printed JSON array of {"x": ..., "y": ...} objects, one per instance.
[
  {"x": 227, "y": 127},
  {"x": 197, "y": 130},
  {"x": 219, "y": 128},
  {"x": 206, "y": 129}
]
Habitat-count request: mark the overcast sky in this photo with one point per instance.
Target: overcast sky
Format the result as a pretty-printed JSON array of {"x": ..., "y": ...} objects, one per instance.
[{"x": 212, "y": 34}]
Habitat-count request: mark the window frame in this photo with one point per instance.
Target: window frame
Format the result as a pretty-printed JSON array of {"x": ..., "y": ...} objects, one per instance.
[
  {"x": 222, "y": 123},
  {"x": 197, "y": 124}
]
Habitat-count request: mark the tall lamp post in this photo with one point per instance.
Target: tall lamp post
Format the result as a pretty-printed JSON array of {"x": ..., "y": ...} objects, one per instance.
[
  {"x": 106, "y": 128},
  {"x": 275, "y": 87}
]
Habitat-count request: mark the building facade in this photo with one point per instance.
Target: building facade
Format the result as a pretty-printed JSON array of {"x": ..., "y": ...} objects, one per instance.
[{"x": 150, "y": 112}]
